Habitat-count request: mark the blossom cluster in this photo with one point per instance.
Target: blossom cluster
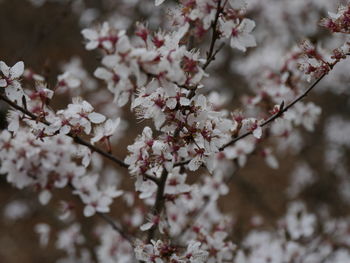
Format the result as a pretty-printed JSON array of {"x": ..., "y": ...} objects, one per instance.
[
  {"x": 191, "y": 146},
  {"x": 338, "y": 22}
]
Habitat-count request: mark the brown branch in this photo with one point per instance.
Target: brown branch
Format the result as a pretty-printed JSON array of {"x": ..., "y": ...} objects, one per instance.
[
  {"x": 159, "y": 203},
  {"x": 115, "y": 227},
  {"x": 212, "y": 57},
  {"x": 215, "y": 36},
  {"x": 270, "y": 119},
  {"x": 280, "y": 113}
]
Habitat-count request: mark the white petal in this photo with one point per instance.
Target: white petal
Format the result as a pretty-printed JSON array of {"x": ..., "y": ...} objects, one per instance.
[
  {"x": 247, "y": 25},
  {"x": 184, "y": 101},
  {"x": 14, "y": 93},
  {"x": 257, "y": 132},
  {"x": 159, "y": 119},
  {"x": 13, "y": 125},
  {"x": 89, "y": 34},
  {"x": 171, "y": 103},
  {"x": 123, "y": 45},
  {"x": 4, "y": 68},
  {"x": 65, "y": 129},
  {"x": 272, "y": 161},
  {"x": 159, "y": 2},
  {"x": 107, "y": 45},
  {"x": 195, "y": 163},
  {"x": 44, "y": 197},
  {"x": 73, "y": 82},
  {"x": 103, "y": 73},
  {"x": 95, "y": 117},
  {"x": 92, "y": 45},
  {"x": 248, "y": 40},
  {"x": 3, "y": 83},
  {"x": 89, "y": 211},
  {"x": 146, "y": 226},
  {"x": 235, "y": 43},
  {"x": 17, "y": 70}
]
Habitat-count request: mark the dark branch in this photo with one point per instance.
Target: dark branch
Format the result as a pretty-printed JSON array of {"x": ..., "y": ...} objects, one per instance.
[
  {"x": 112, "y": 223},
  {"x": 215, "y": 36},
  {"x": 159, "y": 203},
  {"x": 269, "y": 120},
  {"x": 278, "y": 114}
]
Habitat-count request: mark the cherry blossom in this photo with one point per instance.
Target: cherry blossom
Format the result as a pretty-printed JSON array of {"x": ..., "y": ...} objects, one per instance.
[
  {"x": 192, "y": 131},
  {"x": 239, "y": 33},
  {"x": 9, "y": 79},
  {"x": 337, "y": 22},
  {"x": 95, "y": 199}
]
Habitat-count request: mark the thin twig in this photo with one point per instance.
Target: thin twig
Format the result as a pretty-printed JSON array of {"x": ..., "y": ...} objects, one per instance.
[
  {"x": 278, "y": 114},
  {"x": 211, "y": 53},
  {"x": 211, "y": 58},
  {"x": 269, "y": 120},
  {"x": 215, "y": 35},
  {"x": 159, "y": 203},
  {"x": 112, "y": 223}
]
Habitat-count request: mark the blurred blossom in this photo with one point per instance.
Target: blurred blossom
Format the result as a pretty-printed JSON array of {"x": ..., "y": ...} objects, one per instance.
[{"x": 15, "y": 210}]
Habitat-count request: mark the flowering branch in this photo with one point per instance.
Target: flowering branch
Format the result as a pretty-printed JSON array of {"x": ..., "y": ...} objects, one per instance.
[
  {"x": 159, "y": 74},
  {"x": 279, "y": 114},
  {"x": 77, "y": 139}
]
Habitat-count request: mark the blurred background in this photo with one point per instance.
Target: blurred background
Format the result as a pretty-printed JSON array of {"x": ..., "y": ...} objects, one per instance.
[{"x": 46, "y": 35}]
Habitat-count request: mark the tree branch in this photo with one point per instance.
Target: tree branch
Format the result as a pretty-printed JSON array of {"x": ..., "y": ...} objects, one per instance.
[
  {"x": 278, "y": 114},
  {"x": 115, "y": 227},
  {"x": 270, "y": 119},
  {"x": 215, "y": 36},
  {"x": 159, "y": 203}
]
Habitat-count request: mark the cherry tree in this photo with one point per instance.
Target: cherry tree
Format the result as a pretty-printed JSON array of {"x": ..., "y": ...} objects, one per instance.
[{"x": 191, "y": 145}]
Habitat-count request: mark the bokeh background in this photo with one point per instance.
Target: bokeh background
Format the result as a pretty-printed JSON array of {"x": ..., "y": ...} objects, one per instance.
[{"x": 46, "y": 36}]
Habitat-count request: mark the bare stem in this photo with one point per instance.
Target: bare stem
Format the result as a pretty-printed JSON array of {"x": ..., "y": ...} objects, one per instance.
[
  {"x": 215, "y": 36},
  {"x": 212, "y": 57},
  {"x": 159, "y": 203},
  {"x": 117, "y": 228}
]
